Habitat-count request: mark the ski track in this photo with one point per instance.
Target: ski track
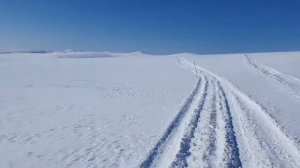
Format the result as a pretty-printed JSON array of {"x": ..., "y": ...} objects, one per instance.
[
  {"x": 292, "y": 84},
  {"x": 220, "y": 126}
]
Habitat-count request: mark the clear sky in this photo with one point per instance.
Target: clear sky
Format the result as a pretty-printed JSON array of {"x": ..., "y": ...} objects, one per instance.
[{"x": 151, "y": 26}]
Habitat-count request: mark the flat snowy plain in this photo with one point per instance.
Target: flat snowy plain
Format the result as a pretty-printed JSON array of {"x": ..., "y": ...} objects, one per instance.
[{"x": 94, "y": 110}]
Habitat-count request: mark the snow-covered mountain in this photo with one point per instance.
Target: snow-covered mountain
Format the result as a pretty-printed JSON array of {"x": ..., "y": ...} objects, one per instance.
[{"x": 90, "y": 109}]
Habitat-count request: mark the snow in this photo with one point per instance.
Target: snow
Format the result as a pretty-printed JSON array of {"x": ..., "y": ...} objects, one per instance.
[
  {"x": 102, "y": 109},
  {"x": 277, "y": 98}
]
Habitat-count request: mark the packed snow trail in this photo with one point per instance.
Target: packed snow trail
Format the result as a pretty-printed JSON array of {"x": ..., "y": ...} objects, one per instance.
[
  {"x": 292, "y": 84},
  {"x": 185, "y": 143},
  {"x": 220, "y": 126},
  {"x": 163, "y": 152},
  {"x": 202, "y": 119},
  {"x": 261, "y": 142}
]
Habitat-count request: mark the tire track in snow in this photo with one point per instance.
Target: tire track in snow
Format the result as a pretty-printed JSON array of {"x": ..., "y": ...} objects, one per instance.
[
  {"x": 222, "y": 127},
  {"x": 223, "y": 149},
  {"x": 288, "y": 81},
  {"x": 265, "y": 144},
  {"x": 198, "y": 134},
  {"x": 203, "y": 144},
  {"x": 185, "y": 145},
  {"x": 228, "y": 148},
  {"x": 261, "y": 141},
  {"x": 166, "y": 147},
  {"x": 210, "y": 139},
  {"x": 214, "y": 142}
]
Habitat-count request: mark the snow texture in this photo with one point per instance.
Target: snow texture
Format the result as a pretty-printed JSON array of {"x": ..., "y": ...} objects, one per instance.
[{"x": 93, "y": 110}]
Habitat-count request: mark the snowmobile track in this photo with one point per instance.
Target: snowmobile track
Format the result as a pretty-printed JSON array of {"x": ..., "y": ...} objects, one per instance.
[
  {"x": 220, "y": 126},
  {"x": 292, "y": 84},
  {"x": 172, "y": 128}
]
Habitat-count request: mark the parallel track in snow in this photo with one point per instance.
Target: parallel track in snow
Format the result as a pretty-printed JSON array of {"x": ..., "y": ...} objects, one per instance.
[
  {"x": 220, "y": 126},
  {"x": 166, "y": 146},
  {"x": 292, "y": 84}
]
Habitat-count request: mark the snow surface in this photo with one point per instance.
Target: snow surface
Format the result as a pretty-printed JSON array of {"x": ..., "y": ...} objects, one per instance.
[{"x": 91, "y": 109}]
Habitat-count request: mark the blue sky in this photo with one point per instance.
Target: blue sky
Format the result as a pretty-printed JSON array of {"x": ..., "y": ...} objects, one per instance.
[{"x": 151, "y": 26}]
